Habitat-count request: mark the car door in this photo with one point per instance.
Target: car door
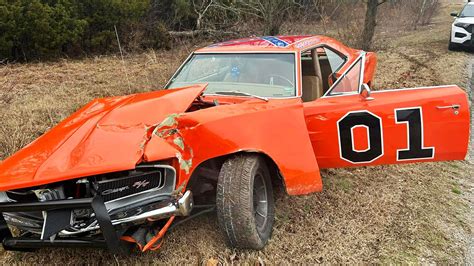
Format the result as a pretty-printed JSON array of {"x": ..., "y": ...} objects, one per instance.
[{"x": 347, "y": 127}]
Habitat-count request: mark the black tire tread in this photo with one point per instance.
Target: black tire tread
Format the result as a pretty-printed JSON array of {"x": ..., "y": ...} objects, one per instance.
[{"x": 234, "y": 202}]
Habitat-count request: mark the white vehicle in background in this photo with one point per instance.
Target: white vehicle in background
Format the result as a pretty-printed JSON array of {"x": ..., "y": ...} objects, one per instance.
[{"x": 462, "y": 28}]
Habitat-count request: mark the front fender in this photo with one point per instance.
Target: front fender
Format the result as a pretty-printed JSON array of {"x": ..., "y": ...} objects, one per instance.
[{"x": 276, "y": 128}]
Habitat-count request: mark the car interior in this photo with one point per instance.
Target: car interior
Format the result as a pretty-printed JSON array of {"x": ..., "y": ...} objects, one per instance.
[{"x": 317, "y": 73}]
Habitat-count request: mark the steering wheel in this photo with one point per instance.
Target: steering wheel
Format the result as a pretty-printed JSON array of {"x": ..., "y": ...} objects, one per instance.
[{"x": 271, "y": 78}]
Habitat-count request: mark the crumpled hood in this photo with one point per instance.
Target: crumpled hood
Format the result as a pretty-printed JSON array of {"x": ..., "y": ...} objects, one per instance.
[{"x": 107, "y": 135}]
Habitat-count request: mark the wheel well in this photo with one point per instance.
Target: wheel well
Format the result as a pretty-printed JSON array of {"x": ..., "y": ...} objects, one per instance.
[{"x": 203, "y": 181}]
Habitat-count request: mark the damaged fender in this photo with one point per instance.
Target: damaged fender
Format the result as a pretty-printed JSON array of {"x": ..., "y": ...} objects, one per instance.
[{"x": 276, "y": 128}]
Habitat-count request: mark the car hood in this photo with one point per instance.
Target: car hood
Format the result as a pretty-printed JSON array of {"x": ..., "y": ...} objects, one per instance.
[
  {"x": 469, "y": 20},
  {"x": 107, "y": 135}
]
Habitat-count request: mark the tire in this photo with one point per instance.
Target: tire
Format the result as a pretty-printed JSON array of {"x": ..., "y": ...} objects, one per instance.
[{"x": 243, "y": 187}]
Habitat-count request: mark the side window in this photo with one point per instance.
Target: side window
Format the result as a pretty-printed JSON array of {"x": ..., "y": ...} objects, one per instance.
[
  {"x": 335, "y": 61},
  {"x": 350, "y": 81}
]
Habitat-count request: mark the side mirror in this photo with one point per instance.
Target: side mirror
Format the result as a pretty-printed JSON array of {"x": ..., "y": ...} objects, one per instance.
[
  {"x": 454, "y": 14},
  {"x": 366, "y": 92}
]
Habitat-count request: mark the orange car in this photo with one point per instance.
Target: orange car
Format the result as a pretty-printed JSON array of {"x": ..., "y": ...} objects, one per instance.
[{"x": 235, "y": 120}]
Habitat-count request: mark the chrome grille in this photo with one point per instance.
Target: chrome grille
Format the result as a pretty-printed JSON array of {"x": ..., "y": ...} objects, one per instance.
[{"x": 136, "y": 183}]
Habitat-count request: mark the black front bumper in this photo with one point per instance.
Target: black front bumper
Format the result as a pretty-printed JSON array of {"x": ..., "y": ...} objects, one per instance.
[
  {"x": 110, "y": 238},
  {"x": 468, "y": 43}
]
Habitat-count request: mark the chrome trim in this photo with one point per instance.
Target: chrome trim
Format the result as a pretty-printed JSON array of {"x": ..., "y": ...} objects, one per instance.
[
  {"x": 93, "y": 226},
  {"x": 177, "y": 71},
  {"x": 454, "y": 107},
  {"x": 398, "y": 90},
  {"x": 297, "y": 68},
  {"x": 416, "y": 88},
  {"x": 238, "y": 96},
  {"x": 325, "y": 45},
  {"x": 140, "y": 196},
  {"x": 185, "y": 204},
  {"x": 368, "y": 97},
  {"x": 361, "y": 78},
  {"x": 181, "y": 207},
  {"x": 242, "y": 94}
]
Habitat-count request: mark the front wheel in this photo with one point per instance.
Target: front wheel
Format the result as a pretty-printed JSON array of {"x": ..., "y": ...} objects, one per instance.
[{"x": 245, "y": 205}]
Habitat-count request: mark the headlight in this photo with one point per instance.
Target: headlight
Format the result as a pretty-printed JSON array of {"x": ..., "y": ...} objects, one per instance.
[{"x": 462, "y": 25}]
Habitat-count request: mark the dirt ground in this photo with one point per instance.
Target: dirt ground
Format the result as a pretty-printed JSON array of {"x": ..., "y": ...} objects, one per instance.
[{"x": 417, "y": 213}]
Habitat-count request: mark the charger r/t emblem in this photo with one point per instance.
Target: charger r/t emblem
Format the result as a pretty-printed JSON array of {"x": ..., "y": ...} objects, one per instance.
[{"x": 140, "y": 184}]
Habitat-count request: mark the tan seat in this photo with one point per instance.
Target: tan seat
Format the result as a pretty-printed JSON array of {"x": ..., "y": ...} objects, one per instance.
[
  {"x": 312, "y": 79},
  {"x": 326, "y": 72}
]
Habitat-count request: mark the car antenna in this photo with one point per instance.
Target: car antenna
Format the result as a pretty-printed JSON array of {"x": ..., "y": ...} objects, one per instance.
[{"x": 123, "y": 61}]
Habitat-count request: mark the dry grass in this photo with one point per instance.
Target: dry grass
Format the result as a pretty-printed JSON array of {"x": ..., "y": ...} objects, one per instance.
[
  {"x": 411, "y": 213},
  {"x": 35, "y": 97}
]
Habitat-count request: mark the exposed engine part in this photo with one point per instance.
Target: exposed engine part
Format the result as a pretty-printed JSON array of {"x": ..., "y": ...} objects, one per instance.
[
  {"x": 130, "y": 198},
  {"x": 50, "y": 194},
  {"x": 180, "y": 207},
  {"x": 24, "y": 221},
  {"x": 31, "y": 221}
]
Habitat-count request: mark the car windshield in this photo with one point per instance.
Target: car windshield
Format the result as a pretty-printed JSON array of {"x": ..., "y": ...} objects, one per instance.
[
  {"x": 468, "y": 11},
  {"x": 264, "y": 75}
]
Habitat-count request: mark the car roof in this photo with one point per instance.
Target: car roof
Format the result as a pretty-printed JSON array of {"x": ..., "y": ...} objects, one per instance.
[{"x": 294, "y": 43}]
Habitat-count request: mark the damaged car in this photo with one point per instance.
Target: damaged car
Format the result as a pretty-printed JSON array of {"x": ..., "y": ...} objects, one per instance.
[{"x": 235, "y": 121}]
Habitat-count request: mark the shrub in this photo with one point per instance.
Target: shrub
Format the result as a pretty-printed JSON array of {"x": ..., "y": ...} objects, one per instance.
[
  {"x": 32, "y": 29},
  {"x": 102, "y": 16},
  {"x": 43, "y": 28}
]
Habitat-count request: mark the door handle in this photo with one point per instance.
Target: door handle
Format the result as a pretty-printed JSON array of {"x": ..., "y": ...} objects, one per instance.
[{"x": 454, "y": 107}]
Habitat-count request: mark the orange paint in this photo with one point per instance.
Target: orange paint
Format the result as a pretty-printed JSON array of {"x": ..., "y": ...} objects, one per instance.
[
  {"x": 107, "y": 135},
  {"x": 228, "y": 129},
  {"x": 361, "y": 138},
  {"x": 445, "y": 130},
  {"x": 115, "y": 134}
]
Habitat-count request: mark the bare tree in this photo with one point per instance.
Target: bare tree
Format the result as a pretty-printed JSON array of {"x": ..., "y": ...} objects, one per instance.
[
  {"x": 370, "y": 23},
  {"x": 201, "y": 8},
  {"x": 272, "y": 13},
  {"x": 423, "y": 11},
  {"x": 326, "y": 9},
  {"x": 211, "y": 18}
]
